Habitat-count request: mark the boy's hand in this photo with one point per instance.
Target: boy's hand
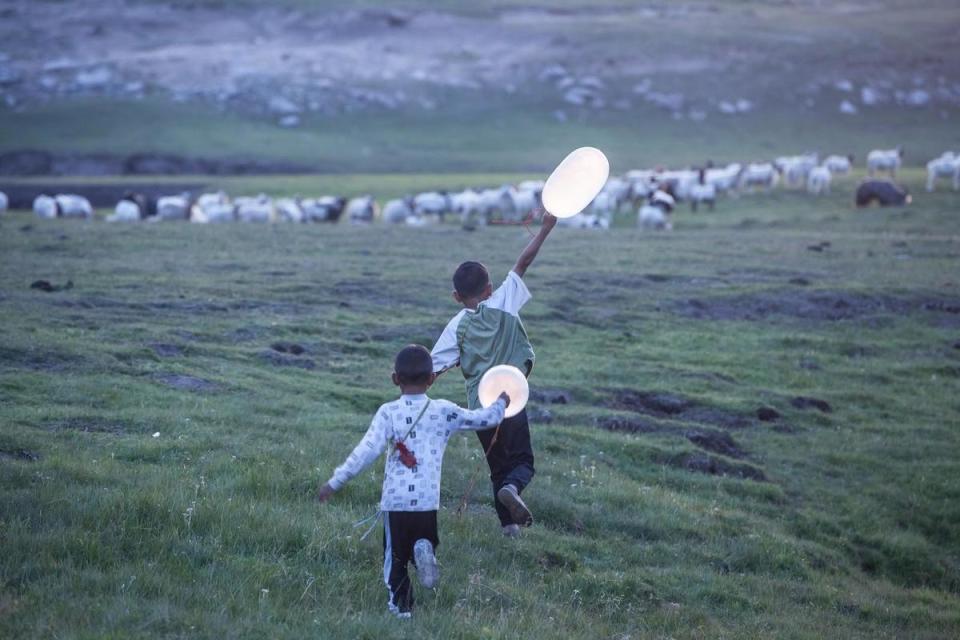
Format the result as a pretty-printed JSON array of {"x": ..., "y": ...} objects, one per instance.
[
  {"x": 506, "y": 399},
  {"x": 324, "y": 492}
]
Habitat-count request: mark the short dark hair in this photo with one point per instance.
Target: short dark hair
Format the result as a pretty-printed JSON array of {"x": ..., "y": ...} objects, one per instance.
[
  {"x": 470, "y": 278},
  {"x": 413, "y": 365}
]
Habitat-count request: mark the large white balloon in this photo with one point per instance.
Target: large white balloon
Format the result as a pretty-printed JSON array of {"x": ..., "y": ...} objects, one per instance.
[
  {"x": 502, "y": 378},
  {"x": 575, "y": 182}
]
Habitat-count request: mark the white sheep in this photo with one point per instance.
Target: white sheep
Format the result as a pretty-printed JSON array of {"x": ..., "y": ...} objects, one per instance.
[
  {"x": 724, "y": 179},
  {"x": 74, "y": 206},
  {"x": 656, "y": 213},
  {"x": 946, "y": 166},
  {"x": 701, "y": 193},
  {"x": 289, "y": 210},
  {"x": 45, "y": 207},
  {"x": 397, "y": 211},
  {"x": 432, "y": 203},
  {"x": 173, "y": 207},
  {"x": 884, "y": 160},
  {"x": 795, "y": 169},
  {"x": 495, "y": 202},
  {"x": 759, "y": 174},
  {"x": 259, "y": 209},
  {"x": 818, "y": 181},
  {"x": 468, "y": 204},
  {"x": 323, "y": 209},
  {"x": 212, "y": 208},
  {"x": 839, "y": 165},
  {"x": 125, "y": 211},
  {"x": 525, "y": 201},
  {"x": 362, "y": 210}
]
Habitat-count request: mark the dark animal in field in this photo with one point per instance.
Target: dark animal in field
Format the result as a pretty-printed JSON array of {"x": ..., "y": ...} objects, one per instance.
[
  {"x": 882, "y": 192},
  {"x": 133, "y": 207}
]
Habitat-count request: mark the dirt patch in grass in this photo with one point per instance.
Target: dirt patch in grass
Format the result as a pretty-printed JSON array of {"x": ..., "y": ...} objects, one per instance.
[
  {"x": 674, "y": 406},
  {"x": 89, "y": 425},
  {"x": 166, "y": 350},
  {"x": 716, "y": 441},
  {"x": 11, "y": 453},
  {"x": 816, "y": 306},
  {"x": 186, "y": 383},
  {"x": 806, "y": 402},
  {"x": 36, "y": 359},
  {"x": 714, "y": 466},
  {"x": 550, "y": 396},
  {"x": 628, "y": 425},
  {"x": 292, "y": 348},
  {"x": 284, "y": 360}
]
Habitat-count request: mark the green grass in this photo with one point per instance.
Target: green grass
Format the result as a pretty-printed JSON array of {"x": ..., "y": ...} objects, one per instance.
[{"x": 210, "y": 529}]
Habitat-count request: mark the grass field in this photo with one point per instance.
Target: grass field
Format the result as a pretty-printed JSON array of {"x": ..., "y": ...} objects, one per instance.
[{"x": 658, "y": 516}]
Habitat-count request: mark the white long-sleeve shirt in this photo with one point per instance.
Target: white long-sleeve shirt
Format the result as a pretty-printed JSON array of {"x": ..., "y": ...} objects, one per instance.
[{"x": 416, "y": 489}]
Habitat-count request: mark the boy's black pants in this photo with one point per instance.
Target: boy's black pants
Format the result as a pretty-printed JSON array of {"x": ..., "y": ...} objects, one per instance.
[
  {"x": 401, "y": 530},
  {"x": 510, "y": 459}
]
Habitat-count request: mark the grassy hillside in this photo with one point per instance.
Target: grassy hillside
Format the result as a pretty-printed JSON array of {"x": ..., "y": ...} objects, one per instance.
[{"x": 665, "y": 507}]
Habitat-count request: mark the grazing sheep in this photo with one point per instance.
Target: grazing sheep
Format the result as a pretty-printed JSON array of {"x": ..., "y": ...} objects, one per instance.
[
  {"x": 125, "y": 211},
  {"x": 212, "y": 208},
  {"x": 74, "y": 206},
  {"x": 173, "y": 207},
  {"x": 884, "y": 160},
  {"x": 585, "y": 221},
  {"x": 679, "y": 182},
  {"x": 795, "y": 169},
  {"x": 703, "y": 191},
  {"x": 818, "y": 182},
  {"x": 289, "y": 210},
  {"x": 619, "y": 190},
  {"x": 259, "y": 209},
  {"x": 882, "y": 192},
  {"x": 759, "y": 175},
  {"x": 724, "y": 180},
  {"x": 839, "y": 165},
  {"x": 46, "y": 207},
  {"x": 397, "y": 211},
  {"x": 4, "y": 202},
  {"x": 432, "y": 203},
  {"x": 946, "y": 166},
  {"x": 496, "y": 202},
  {"x": 325, "y": 209},
  {"x": 525, "y": 202},
  {"x": 468, "y": 204},
  {"x": 362, "y": 210},
  {"x": 656, "y": 213}
]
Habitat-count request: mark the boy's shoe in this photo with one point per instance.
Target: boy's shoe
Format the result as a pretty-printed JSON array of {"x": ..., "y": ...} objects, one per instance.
[
  {"x": 511, "y": 530},
  {"x": 510, "y": 498},
  {"x": 427, "y": 570},
  {"x": 400, "y": 612}
]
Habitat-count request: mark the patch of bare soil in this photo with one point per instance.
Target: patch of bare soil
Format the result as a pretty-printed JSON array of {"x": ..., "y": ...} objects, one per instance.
[
  {"x": 285, "y": 360},
  {"x": 550, "y": 396},
  {"x": 18, "y": 454},
  {"x": 674, "y": 406},
  {"x": 712, "y": 465},
  {"x": 716, "y": 441},
  {"x": 806, "y": 402},
  {"x": 816, "y": 306},
  {"x": 36, "y": 359},
  {"x": 166, "y": 350}
]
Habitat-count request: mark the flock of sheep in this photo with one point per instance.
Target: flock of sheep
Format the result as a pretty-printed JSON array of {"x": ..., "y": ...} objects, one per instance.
[{"x": 653, "y": 194}]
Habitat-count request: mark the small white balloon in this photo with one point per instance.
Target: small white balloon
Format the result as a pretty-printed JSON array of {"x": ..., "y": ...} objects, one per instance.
[
  {"x": 502, "y": 378},
  {"x": 576, "y": 182}
]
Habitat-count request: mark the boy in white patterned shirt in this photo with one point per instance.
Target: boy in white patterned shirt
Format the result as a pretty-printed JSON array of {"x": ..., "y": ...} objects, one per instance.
[{"x": 416, "y": 429}]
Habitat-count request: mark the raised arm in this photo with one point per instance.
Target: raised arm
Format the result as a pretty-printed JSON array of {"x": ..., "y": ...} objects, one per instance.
[{"x": 530, "y": 252}]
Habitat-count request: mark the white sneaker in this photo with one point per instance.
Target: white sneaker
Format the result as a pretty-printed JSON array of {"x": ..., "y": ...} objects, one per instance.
[
  {"x": 427, "y": 570},
  {"x": 511, "y": 530}
]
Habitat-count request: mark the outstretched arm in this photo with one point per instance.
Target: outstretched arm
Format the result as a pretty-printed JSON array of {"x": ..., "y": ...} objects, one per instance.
[
  {"x": 530, "y": 252},
  {"x": 369, "y": 449}
]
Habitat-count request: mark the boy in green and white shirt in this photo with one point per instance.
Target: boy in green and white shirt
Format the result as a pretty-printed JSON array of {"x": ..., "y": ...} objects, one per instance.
[{"x": 488, "y": 332}]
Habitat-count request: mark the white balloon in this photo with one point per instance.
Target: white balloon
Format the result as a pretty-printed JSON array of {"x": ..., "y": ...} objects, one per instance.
[
  {"x": 502, "y": 378},
  {"x": 575, "y": 182}
]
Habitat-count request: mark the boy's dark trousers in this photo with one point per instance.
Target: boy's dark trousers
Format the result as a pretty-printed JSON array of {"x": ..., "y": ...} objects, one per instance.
[
  {"x": 510, "y": 459},
  {"x": 401, "y": 530}
]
